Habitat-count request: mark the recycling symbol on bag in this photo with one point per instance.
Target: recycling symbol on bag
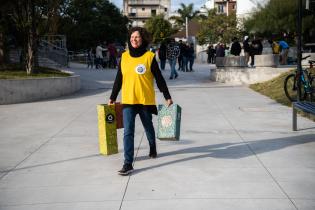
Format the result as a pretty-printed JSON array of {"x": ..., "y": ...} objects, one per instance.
[{"x": 110, "y": 118}]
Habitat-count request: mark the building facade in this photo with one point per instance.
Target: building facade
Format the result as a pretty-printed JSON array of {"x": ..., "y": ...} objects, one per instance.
[
  {"x": 138, "y": 11},
  {"x": 222, "y": 6}
]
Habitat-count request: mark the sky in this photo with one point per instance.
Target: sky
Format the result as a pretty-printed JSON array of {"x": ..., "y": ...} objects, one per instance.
[{"x": 174, "y": 3}]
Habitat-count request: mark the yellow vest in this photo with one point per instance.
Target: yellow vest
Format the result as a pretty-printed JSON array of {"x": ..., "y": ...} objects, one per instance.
[{"x": 137, "y": 83}]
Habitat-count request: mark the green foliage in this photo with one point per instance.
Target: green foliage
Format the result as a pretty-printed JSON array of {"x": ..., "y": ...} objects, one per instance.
[
  {"x": 276, "y": 17},
  {"x": 87, "y": 22},
  {"x": 184, "y": 11},
  {"x": 159, "y": 28},
  {"x": 218, "y": 28}
]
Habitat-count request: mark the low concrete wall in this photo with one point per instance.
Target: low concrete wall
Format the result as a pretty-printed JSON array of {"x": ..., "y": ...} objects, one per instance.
[
  {"x": 27, "y": 90},
  {"x": 245, "y": 75},
  {"x": 230, "y": 61},
  {"x": 270, "y": 60}
]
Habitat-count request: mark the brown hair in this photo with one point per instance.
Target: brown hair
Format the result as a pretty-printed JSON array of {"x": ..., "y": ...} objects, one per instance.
[{"x": 145, "y": 35}]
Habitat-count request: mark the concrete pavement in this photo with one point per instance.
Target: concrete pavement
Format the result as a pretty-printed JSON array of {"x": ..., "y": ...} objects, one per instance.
[{"x": 237, "y": 151}]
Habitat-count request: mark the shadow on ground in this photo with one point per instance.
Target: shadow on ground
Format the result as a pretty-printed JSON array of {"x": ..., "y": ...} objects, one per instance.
[{"x": 231, "y": 150}]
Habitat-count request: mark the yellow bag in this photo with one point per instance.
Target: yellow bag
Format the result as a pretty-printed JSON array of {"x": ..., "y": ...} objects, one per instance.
[
  {"x": 107, "y": 133},
  {"x": 275, "y": 48}
]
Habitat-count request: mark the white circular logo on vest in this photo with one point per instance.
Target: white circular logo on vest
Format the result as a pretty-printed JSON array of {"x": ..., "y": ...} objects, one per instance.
[{"x": 140, "y": 69}]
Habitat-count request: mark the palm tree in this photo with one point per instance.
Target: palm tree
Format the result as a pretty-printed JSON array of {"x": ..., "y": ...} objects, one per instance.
[{"x": 184, "y": 11}]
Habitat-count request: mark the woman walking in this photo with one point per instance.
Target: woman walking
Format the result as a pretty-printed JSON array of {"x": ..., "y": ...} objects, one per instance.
[{"x": 135, "y": 76}]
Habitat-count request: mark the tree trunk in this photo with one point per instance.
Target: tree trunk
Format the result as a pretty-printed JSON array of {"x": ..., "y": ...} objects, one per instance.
[
  {"x": 29, "y": 55},
  {"x": 30, "y": 37},
  {"x": 1, "y": 48}
]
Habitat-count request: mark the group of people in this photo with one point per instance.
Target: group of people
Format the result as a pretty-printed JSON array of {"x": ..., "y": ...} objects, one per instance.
[
  {"x": 103, "y": 57},
  {"x": 250, "y": 48},
  {"x": 181, "y": 53}
]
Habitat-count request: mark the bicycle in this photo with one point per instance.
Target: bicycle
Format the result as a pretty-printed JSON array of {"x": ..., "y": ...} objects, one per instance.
[{"x": 307, "y": 81}]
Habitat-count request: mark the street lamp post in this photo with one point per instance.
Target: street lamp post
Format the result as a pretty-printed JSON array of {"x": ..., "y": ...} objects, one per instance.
[
  {"x": 299, "y": 47},
  {"x": 186, "y": 19}
]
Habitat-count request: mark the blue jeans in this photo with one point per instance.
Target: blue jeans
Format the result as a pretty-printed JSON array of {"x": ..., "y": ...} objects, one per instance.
[
  {"x": 129, "y": 113},
  {"x": 185, "y": 64},
  {"x": 191, "y": 63},
  {"x": 172, "y": 65}
]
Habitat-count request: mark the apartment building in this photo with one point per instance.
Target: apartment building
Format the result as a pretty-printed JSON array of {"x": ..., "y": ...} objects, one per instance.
[
  {"x": 138, "y": 11},
  {"x": 222, "y": 6}
]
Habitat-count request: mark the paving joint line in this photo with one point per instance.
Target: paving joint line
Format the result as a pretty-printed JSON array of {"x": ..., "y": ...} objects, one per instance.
[
  {"x": 125, "y": 191},
  {"x": 256, "y": 156},
  {"x": 40, "y": 146}
]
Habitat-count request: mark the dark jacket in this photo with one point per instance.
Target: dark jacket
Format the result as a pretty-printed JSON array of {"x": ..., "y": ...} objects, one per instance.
[
  {"x": 236, "y": 48},
  {"x": 162, "y": 52}
]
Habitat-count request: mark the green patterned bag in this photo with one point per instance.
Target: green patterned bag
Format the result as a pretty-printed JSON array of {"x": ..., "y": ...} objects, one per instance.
[{"x": 169, "y": 119}]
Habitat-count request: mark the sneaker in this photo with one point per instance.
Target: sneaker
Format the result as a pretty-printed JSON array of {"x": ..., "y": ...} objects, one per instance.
[
  {"x": 126, "y": 169},
  {"x": 176, "y": 76},
  {"x": 171, "y": 77},
  {"x": 153, "y": 153}
]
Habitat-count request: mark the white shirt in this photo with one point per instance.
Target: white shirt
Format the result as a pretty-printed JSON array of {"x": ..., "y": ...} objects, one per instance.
[{"x": 99, "y": 51}]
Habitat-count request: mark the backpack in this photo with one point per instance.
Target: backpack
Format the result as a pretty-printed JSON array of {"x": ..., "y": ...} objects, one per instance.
[{"x": 275, "y": 48}]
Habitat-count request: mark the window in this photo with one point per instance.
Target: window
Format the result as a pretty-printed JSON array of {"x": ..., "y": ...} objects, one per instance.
[
  {"x": 220, "y": 8},
  {"x": 143, "y": 9},
  {"x": 165, "y": 9},
  {"x": 153, "y": 12}
]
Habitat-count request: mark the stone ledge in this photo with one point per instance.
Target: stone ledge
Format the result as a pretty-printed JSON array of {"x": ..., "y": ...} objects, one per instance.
[
  {"x": 239, "y": 76},
  {"x": 28, "y": 90},
  {"x": 269, "y": 60}
]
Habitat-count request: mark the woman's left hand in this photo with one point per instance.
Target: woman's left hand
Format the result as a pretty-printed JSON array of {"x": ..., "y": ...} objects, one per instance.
[{"x": 169, "y": 102}]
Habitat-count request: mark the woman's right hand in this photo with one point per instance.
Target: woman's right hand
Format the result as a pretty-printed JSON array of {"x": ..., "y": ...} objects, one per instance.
[{"x": 111, "y": 102}]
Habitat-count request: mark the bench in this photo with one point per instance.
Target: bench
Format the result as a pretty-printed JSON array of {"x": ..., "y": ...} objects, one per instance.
[{"x": 304, "y": 106}]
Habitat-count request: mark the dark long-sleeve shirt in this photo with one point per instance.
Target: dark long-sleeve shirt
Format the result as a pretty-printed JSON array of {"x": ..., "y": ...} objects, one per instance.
[{"x": 160, "y": 81}]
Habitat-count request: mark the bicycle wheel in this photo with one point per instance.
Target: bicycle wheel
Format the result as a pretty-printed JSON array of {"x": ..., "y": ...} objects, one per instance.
[
  {"x": 290, "y": 87},
  {"x": 311, "y": 94}
]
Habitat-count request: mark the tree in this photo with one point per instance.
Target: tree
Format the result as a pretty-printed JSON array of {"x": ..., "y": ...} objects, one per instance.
[
  {"x": 217, "y": 27},
  {"x": 184, "y": 12},
  {"x": 23, "y": 19},
  {"x": 277, "y": 17},
  {"x": 159, "y": 28},
  {"x": 87, "y": 22}
]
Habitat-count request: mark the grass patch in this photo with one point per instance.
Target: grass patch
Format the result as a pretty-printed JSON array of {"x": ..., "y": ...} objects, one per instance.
[
  {"x": 274, "y": 90},
  {"x": 14, "y": 71}
]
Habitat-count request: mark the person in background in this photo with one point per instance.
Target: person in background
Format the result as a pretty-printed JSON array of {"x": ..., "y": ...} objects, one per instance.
[
  {"x": 284, "y": 50},
  {"x": 112, "y": 51},
  {"x": 135, "y": 76},
  {"x": 90, "y": 58},
  {"x": 162, "y": 55},
  {"x": 211, "y": 53},
  {"x": 172, "y": 54},
  {"x": 274, "y": 46},
  {"x": 185, "y": 57},
  {"x": 247, "y": 49},
  {"x": 220, "y": 50},
  {"x": 236, "y": 47},
  {"x": 99, "y": 56},
  {"x": 180, "y": 57},
  {"x": 191, "y": 56},
  {"x": 255, "y": 49}
]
